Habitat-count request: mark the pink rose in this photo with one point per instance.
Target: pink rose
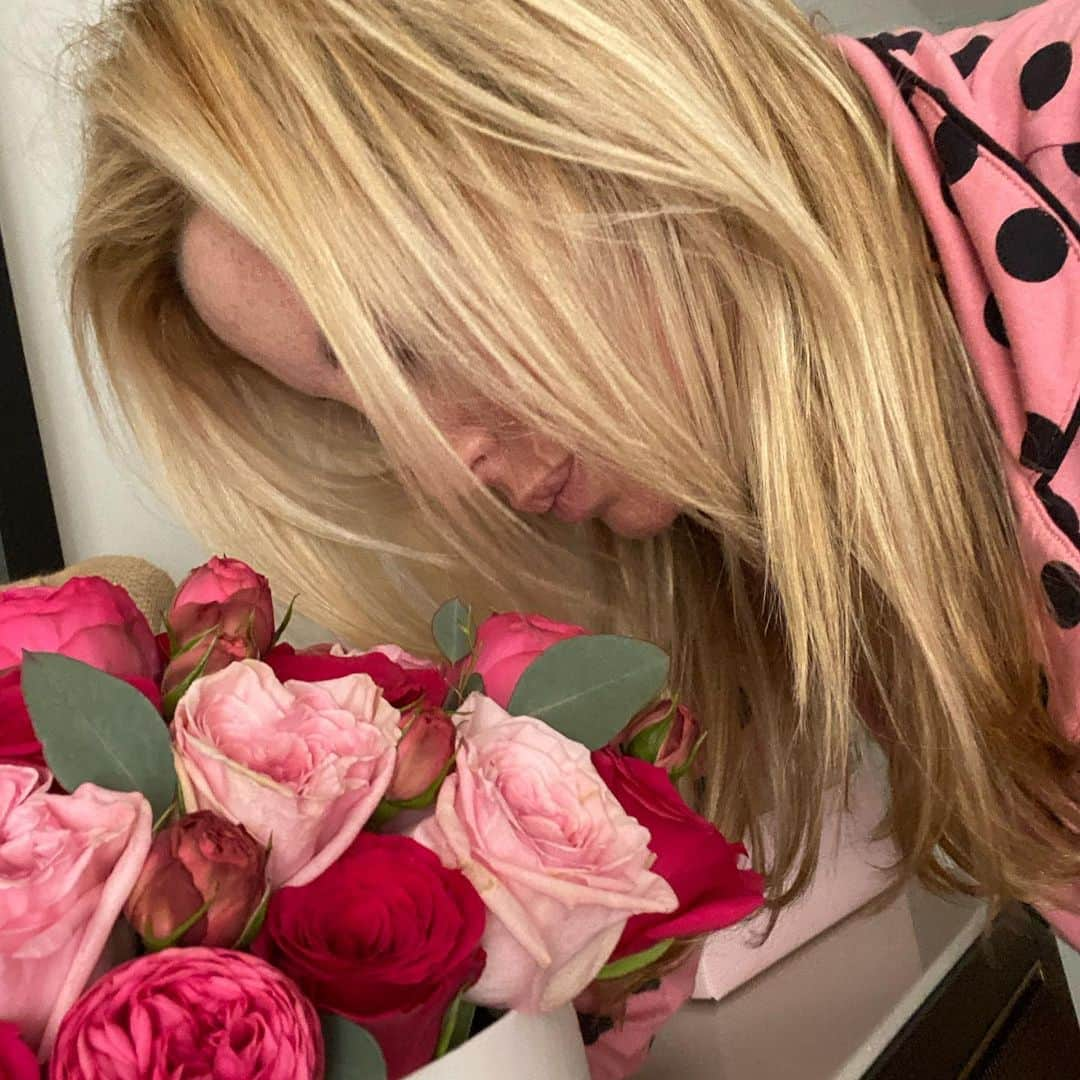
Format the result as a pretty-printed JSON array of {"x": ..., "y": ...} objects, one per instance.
[
  {"x": 692, "y": 856},
  {"x": 67, "y": 864},
  {"x": 17, "y": 1061},
  {"x": 302, "y": 766},
  {"x": 423, "y": 755},
  {"x": 87, "y": 618},
  {"x": 507, "y": 644},
  {"x": 196, "y": 1012},
  {"x": 231, "y": 605},
  {"x": 559, "y": 864}
]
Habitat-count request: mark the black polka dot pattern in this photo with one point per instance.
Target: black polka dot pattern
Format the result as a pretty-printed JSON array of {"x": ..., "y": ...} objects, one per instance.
[
  {"x": 995, "y": 323},
  {"x": 1043, "y": 444},
  {"x": 969, "y": 56},
  {"x": 896, "y": 42},
  {"x": 592, "y": 1027},
  {"x": 1062, "y": 512},
  {"x": 1061, "y": 583},
  {"x": 1072, "y": 156},
  {"x": 956, "y": 150},
  {"x": 1045, "y": 74},
  {"x": 1031, "y": 245},
  {"x": 947, "y": 196}
]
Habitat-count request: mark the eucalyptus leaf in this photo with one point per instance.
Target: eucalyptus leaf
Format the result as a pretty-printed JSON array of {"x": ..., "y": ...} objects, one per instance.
[
  {"x": 97, "y": 729},
  {"x": 590, "y": 687},
  {"x": 627, "y": 965},
  {"x": 351, "y": 1052},
  {"x": 454, "y": 630}
]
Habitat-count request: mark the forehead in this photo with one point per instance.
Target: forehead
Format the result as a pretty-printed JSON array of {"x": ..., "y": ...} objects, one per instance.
[{"x": 245, "y": 300}]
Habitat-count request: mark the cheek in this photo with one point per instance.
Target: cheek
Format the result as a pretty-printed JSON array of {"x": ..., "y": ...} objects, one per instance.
[{"x": 638, "y": 514}]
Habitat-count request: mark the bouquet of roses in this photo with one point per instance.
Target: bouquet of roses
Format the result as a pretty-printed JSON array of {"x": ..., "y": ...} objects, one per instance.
[{"x": 223, "y": 856}]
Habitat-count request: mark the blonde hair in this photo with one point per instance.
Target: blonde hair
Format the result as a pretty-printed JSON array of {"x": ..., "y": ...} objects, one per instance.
[{"x": 669, "y": 233}]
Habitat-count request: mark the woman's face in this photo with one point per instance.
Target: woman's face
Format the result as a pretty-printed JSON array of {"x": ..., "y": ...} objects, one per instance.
[{"x": 255, "y": 310}]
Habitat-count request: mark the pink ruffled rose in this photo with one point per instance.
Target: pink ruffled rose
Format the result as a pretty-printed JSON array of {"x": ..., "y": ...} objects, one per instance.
[
  {"x": 195, "y": 1012},
  {"x": 506, "y": 644},
  {"x": 302, "y": 766},
  {"x": 67, "y": 864},
  {"x": 17, "y": 1061},
  {"x": 87, "y": 618},
  {"x": 559, "y": 864}
]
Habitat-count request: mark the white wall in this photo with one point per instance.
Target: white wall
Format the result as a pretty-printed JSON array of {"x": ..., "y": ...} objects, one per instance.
[{"x": 101, "y": 505}]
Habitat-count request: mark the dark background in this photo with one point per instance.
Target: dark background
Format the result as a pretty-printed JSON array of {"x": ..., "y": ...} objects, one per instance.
[{"x": 29, "y": 541}]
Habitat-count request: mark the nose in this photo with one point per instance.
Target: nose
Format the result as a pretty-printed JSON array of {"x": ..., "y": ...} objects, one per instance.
[{"x": 476, "y": 447}]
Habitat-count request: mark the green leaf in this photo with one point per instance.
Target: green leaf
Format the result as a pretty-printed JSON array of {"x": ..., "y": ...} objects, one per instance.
[
  {"x": 98, "y": 729},
  {"x": 172, "y": 698},
  {"x": 457, "y": 1024},
  {"x": 454, "y": 630},
  {"x": 590, "y": 687},
  {"x": 255, "y": 923},
  {"x": 474, "y": 684},
  {"x": 351, "y": 1052},
  {"x": 647, "y": 744},
  {"x": 284, "y": 623},
  {"x": 636, "y": 961}
]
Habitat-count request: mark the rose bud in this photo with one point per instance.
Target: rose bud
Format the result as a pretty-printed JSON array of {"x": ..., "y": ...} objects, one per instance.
[
  {"x": 667, "y": 735},
  {"x": 222, "y": 612},
  {"x": 200, "y": 885},
  {"x": 423, "y": 756}
]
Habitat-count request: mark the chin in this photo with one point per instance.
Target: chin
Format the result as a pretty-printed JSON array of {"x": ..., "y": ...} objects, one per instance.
[{"x": 640, "y": 518}]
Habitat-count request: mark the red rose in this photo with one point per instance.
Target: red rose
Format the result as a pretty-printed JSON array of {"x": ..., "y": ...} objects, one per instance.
[
  {"x": 18, "y": 743},
  {"x": 692, "y": 856},
  {"x": 391, "y": 955},
  {"x": 401, "y": 685}
]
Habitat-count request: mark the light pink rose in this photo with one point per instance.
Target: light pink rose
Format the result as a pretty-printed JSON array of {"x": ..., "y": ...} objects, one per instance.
[
  {"x": 87, "y": 618},
  {"x": 302, "y": 766},
  {"x": 560, "y": 865},
  {"x": 506, "y": 644},
  {"x": 67, "y": 864}
]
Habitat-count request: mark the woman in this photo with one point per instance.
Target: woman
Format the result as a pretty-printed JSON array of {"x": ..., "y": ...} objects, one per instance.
[{"x": 673, "y": 316}]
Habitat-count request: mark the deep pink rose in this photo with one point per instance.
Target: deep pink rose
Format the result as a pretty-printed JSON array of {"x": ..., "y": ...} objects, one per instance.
[
  {"x": 394, "y": 956},
  {"x": 302, "y": 766},
  {"x": 402, "y": 678},
  {"x": 692, "y": 856},
  {"x": 87, "y": 618},
  {"x": 17, "y": 1061},
  {"x": 67, "y": 864},
  {"x": 508, "y": 643},
  {"x": 227, "y": 607},
  {"x": 560, "y": 866},
  {"x": 191, "y": 1012}
]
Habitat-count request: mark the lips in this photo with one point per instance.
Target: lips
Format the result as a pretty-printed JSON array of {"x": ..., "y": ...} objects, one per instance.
[{"x": 541, "y": 499}]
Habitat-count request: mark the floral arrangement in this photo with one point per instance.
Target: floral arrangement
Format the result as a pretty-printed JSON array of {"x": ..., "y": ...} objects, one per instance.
[{"x": 223, "y": 856}]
